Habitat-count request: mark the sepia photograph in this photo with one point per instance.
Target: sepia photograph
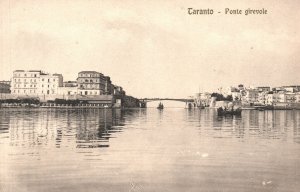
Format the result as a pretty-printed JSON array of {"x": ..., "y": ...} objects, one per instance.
[{"x": 149, "y": 96}]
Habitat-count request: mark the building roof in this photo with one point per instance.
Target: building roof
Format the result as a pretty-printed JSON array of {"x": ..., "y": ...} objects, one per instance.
[
  {"x": 57, "y": 74},
  {"x": 35, "y": 71},
  {"x": 264, "y": 87},
  {"x": 89, "y": 72},
  {"x": 31, "y": 71}
]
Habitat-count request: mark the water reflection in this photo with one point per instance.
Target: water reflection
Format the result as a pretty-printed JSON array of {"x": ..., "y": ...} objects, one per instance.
[
  {"x": 93, "y": 128},
  {"x": 279, "y": 125},
  {"x": 90, "y": 128},
  {"x": 68, "y": 148}
]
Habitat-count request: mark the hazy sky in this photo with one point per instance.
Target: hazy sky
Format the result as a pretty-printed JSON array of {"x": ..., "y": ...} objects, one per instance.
[{"x": 154, "y": 48}]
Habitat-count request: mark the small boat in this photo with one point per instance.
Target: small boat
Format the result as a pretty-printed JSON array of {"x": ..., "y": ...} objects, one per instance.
[
  {"x": 223, "y": 112},
  {"x": 160, "y": 106}
]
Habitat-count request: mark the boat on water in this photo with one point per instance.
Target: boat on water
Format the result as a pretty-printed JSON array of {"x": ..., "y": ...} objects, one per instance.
[
  {"x": 223, "y": 112},
  {"x": 229, "y": 108},
  {"x": 160, "y": 106}
]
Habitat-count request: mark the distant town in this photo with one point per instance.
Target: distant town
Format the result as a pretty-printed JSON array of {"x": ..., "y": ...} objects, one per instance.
[
  {"x": 282, "y": 97},
  {"x": 94, "y": 89}
]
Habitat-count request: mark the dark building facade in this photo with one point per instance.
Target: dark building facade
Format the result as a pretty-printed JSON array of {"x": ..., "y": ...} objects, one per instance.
[{"x": 5, "y": 87}]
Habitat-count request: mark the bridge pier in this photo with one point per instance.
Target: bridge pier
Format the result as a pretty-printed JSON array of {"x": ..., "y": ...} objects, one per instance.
[
  {"x": 143, "y": 104},
  {"x": 190, "y": 105}
]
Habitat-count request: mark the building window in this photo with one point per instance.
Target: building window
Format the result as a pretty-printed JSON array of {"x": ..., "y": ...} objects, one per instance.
[
  {"x": 34, "y": 75},
  {"x": 48, "y": 80}
]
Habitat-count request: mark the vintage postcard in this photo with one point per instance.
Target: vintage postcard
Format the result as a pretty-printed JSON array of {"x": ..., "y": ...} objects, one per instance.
[{"x": 144, "y": 96}]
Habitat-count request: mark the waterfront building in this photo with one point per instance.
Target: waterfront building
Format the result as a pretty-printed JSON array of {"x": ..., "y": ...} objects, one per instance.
[
  {"x": 118, "y": 91},
  {"x": 297, "y": 97},
  {"x": 250, "y": 97},
  {"x": 263, "y": 97},
  {"x": 5, "y": 86},
  {"x": 290, "y": 97},
  {"x": 202, "y": 99},
  {"x": 292, "y": 88},
  {"x": 70, "y": 84},
  {"x": 67, "y": 91},
  {"x": 264, "y": 89},
  {"x": 282, "y": 97},
  {"x": 107, "y": 89},
  {"x": 91, "y": 83},
  {"x": 69, "y": 88},
  {"x": 35, "y": 82},
  {"x": 278, "y": 89},
  {"x": 26, "y": 82},
  {"x": 49, "y": 83},
  {"x": 271, "y": 98}
]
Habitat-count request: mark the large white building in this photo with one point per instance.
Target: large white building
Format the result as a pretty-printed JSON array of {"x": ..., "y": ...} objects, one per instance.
[
  {"x": 35, "y": 82},
  {"x": 49, "y": 83}
]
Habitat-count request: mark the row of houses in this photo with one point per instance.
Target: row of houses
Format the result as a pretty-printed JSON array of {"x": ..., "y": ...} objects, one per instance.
[
  {"x": 37, "y": 82},
  {"x": 251, "y": 96},
  {"x": 266, "y": 95}
]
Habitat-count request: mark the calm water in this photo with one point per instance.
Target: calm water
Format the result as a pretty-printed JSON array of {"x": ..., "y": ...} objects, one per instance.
[{"x": 148, "y": 150}]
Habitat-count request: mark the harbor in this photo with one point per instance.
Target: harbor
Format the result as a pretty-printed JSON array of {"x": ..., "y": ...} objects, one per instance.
[
  {"x": 109, "y": 148},
  {"x": 149, "y": 96}
]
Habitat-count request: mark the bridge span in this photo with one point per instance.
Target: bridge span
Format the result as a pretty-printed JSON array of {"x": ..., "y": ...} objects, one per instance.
[{"x": 144, "y": 101}]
